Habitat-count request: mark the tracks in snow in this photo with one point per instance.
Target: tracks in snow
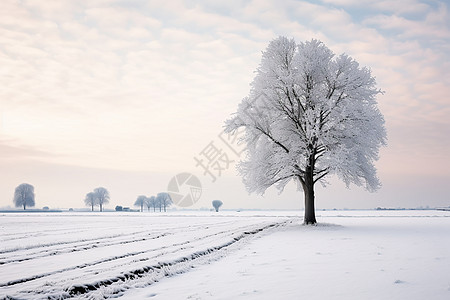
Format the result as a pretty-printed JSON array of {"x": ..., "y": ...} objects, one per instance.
[{"x": 109, "y": 265}]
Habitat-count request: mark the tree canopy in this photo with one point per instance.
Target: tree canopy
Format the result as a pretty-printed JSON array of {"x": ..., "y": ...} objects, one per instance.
[
  {"x": 217, "y": 204},
  {"x": 24, "y": 195},
  {"x": 151, "y": 202},
  {"x": 90, "y": 200},
  {"x": 140, "y": 201},
  {"x": 101, "y": 196},
  {"x": 164, "y": 200},
  {"x": 309, "y": 114}
]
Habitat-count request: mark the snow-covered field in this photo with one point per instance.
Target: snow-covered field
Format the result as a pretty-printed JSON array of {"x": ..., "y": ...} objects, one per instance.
[{"x": 226, "y": 255}]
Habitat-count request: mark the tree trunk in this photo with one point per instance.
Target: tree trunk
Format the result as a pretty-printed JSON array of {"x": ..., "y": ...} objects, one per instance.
[
  {"x": 24, "y": 207},
  {"x": 217, "y": 209},
  {"x": 142, "y": 207},
  {"x": 308, "y": 188},
  {"x": 101, "y": 209},
  {"x": 92, "y": 207}
]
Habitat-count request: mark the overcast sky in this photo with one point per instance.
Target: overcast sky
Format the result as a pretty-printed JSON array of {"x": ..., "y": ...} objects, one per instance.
[{"x": 124, "y": 94}]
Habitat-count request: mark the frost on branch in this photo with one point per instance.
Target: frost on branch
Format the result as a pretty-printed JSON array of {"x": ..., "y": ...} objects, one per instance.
[{"x": 309, "y": 114}]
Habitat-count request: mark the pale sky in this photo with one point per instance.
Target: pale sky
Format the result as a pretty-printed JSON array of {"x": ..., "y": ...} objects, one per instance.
[{"x": 124, "y": 94}]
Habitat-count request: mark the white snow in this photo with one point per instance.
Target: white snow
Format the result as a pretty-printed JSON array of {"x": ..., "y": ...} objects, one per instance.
[{"x": 225, "y": 255}]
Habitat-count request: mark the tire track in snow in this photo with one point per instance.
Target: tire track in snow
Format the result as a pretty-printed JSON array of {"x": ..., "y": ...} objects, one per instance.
[
  {"x": 80, "y": 245},
  {"x": 182, "y": 246},
  {"x": 159, "y": 270},
  {"x": 64, "y": 243},
  {"x": 23, "y": 280},
  {"x": 85, "y": 240}
]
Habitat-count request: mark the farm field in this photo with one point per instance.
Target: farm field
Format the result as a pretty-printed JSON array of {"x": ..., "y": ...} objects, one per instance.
[{"x": 225, "y": 255}]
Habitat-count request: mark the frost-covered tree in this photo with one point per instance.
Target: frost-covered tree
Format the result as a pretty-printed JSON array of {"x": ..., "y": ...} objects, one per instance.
[
  {"x": 90, "y": 200},
  {"x": 101, "y": 196},
  {"x": 140, "y": 201},
  {"x": 151, "y": 202},
  {"x": 24, "y": 195},
  {"x": 309, "y": 114},
  {"x": 216, "y": 204},
  {"x": 164, "y": 200}
]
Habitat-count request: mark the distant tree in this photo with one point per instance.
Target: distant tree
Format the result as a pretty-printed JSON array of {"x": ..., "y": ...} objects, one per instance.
[
  {"x": 140, "y": 201},
  {"x": 216, "y": 204},
  {"x": 164, "y": 200},
  {"x": 91, "y": 200},
  {"x": 24, "y": 195},
  {"x": 309, "y": 114},
  {"x": 101, "y": 196},
  {"x": 151, "y": 202}
]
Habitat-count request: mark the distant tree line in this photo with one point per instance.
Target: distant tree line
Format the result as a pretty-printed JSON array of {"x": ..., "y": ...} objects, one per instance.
[
  {"x": 24, "y": 197},
  {"x": 161, "y": 201}
]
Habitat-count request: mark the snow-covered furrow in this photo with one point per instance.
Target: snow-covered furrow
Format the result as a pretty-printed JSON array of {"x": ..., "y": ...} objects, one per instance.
[
  {"x": 178, "y": 262},
  {"x": 79, "y": 246},
  {"x": 40, "y": 234},
  {"x": 18, "y": 254},
  {"x": 130, "y": 236},
  {"x": 58, "y": 248},
  {"x": 150, "y": 274},
  {"x": 114, "y": 266},
  {"x": 75, "y": 243},
  {"x": 168, "y": 247}
]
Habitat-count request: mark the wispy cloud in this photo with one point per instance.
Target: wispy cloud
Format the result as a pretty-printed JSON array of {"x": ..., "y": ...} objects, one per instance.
[
  {"x": 105, "y": 82},
  {"x": 12, "y": 152}
]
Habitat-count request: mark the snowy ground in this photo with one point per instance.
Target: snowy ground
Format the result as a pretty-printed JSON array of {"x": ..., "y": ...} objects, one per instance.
[{"x": 246, "y": 255}]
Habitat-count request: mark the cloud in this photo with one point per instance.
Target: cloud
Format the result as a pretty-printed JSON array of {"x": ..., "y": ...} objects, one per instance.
[
  {"x": 11, "y": 151},
  {"x": 397, "y": 7},
  {"x": 429, "y": 29},
  {"x": 146, "y": 85},
  {"x": 103, "y": 82}
]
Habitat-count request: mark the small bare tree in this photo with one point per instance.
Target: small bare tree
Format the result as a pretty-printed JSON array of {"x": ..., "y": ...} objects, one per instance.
[
  {"x": 216, "y": 204},
  {"x": 24, "y": 195},
  {"x": 164, "y": 200},
  {"x": 150, "y": 202},
  {"x": 101, "y": 196},
  {"x": 90, "y": 200},
  {"x": 140, "y": 201}
]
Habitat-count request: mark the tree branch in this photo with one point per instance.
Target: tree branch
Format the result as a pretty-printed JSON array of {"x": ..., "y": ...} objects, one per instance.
[
  {"x": 321, "y": 176},
  {"x": 272, "y": 139}
]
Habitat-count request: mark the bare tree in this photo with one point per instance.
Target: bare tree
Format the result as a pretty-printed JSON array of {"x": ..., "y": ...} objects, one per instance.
[
  {"x": 91, "y": 200},
  {"x": 24, "y": 195},
  {"x": 164, "y": 200},
  {"x": 140, "y": 201},
  {"x": 151, "y": 202},
  {"x": 216, "y": 204},
  {"x": 309, "y": 114},
  {"x": 101, "y": 196}
]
